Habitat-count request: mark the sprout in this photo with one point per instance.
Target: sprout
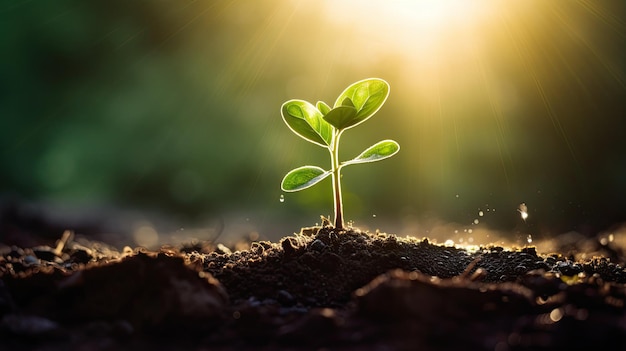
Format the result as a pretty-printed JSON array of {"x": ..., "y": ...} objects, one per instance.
[{"x": 323, "y": 126}]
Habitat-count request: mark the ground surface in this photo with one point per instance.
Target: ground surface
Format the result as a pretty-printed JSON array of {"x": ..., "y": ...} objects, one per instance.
[{"x": 318, "y": 289}]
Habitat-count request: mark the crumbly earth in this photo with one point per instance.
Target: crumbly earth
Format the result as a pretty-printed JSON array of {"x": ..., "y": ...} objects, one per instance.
[{"x": 319, "y": 289}]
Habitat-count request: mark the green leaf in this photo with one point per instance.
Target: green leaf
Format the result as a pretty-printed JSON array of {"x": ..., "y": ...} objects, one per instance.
[
  {"x": 379, "y": 151},
  {"x": 341, "y": 117},
  {"x": 367, "y": 96},
  {"x": 323, "y": 107},
  {"x": 307, "y": 121},
  {"x": 347, "y": 102},
  {"x": 302, "y": 178}
]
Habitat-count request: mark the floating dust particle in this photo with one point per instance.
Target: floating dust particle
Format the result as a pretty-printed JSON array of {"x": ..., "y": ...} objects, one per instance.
[{"x": 556, "y": 315}]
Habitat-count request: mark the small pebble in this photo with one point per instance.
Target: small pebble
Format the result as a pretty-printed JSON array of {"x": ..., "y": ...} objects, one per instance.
[
  {"x": 30, "y": 259},
  {"x": 317, "y": 245}
]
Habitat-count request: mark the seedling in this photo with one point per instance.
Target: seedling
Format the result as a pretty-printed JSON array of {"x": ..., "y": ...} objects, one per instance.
[{"x": 324, "y": 126}]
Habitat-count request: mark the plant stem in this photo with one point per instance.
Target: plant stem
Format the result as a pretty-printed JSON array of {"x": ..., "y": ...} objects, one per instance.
[{"x": 336, "y": 178}]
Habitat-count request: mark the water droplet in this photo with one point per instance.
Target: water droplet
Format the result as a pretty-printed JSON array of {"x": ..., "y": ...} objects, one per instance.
[
  {"x": 476, "y": 221},
  {"x": 523, "y": 210},
  {"x": 470, "y": 231},
  {"x": 457, "y": 196},
  {"x": 374, "y": 215},
  {"x": 456, "y": 231},
  {"x": 282, "y": 198},
  {"x": 481, "y": 213},
  {"x": 449, "y": 243},
  {"x": 529, "y": 238}
]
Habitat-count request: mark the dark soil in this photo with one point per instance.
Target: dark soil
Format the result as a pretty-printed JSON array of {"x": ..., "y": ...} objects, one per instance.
[{"x": 320, "y": 289}]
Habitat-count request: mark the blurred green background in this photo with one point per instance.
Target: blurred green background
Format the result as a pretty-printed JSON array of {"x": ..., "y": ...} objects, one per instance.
[{"x": 173, "y": 106}]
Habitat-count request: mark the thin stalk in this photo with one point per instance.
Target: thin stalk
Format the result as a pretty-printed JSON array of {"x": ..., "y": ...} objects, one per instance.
[{"x": 336, "y": 179}]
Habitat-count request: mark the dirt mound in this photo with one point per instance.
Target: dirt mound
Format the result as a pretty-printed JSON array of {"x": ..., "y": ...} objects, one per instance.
[{"x": 320, "y": 288}]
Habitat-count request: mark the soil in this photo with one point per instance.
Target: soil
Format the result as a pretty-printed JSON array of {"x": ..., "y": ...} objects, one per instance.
[{"x": 319, "y": 289}]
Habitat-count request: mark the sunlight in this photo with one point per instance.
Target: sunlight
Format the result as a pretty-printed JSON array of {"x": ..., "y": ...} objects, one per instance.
[
  {"x": 398, "y": 21},
  {"x": 440, "y": 44}
]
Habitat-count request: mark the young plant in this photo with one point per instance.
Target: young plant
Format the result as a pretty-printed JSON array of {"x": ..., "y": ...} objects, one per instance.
[{"x": 323, "y": 126}]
